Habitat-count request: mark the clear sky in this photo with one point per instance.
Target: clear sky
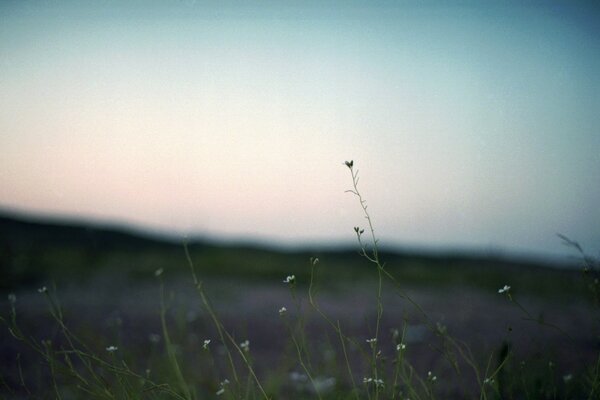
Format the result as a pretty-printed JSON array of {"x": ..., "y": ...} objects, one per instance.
[{"x": 474, "y": 125}]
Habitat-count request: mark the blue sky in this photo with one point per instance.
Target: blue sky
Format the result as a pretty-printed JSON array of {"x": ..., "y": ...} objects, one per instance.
[{"x": 474, "y": 126}]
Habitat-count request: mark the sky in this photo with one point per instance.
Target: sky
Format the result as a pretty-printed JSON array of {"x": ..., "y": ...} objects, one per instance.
[{"x": 474, "y": 125}]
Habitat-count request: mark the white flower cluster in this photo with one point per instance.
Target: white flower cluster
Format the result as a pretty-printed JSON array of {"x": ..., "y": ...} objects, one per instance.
[
  {"x": 282, "y": 310},
  {"x": 505, "y": 289},
  {"x": 222, "y": 390},
  {"x": 400, "y": 346},
  {"x": 206, "y": 343},
  {"x": 290, "y": 279},
  {"x": 431, "y": 377},
  {"x": 112, "y": 349},
  {"x": 377, "y": 382},
  {"x": 245, "y": 345}
]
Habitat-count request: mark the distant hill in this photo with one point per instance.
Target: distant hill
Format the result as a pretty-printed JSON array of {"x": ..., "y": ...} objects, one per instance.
[
  {"x": 25, "y": 232},
  {"x": 35, "y": 250}
]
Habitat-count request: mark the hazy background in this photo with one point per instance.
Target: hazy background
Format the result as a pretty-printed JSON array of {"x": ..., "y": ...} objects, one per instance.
[{"x": 474, "y": 126}]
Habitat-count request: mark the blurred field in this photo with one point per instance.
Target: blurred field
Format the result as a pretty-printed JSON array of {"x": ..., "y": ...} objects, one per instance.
[{"x": 105, "y": 281}]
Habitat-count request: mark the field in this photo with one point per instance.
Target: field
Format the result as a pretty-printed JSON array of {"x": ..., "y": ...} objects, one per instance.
[
  {"x": 97, "y": 312},
  {"x": 550, "y": 345}
]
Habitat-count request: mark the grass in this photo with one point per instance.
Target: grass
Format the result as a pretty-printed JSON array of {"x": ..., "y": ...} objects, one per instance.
[{"x": 319, "y": 352}]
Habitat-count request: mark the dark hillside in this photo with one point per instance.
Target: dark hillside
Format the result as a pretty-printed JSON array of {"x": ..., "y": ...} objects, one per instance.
[{"x": 34, "y": 251}]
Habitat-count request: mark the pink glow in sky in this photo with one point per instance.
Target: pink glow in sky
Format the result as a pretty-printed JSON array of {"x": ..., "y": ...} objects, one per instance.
[{"x": 473, "y": 126}]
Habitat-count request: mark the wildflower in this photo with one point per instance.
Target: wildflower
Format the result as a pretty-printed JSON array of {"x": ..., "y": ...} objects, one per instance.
[
  {"x": 431, "y": 377},
  {"x": 282, "y": 310},
  {"x": 400, "y": 346},
  {"x": 43, "y": 289},
  {"x": 372, "y": 341},
  {"x": 206, "y": 343},
  {"x": 12, "y": 299},
  {"x": 314, "y": 260},
  {"x": 377, "y": 382},
  {"x": 112, "y": 349},
  {"x": 349, "y": 164},
  {"x": 505, "y": 289},
  {"x": 489, "y": 381},
  {"x": 291, "y": 279},
  {"x": 158, "y": 272},
  {"x": 222, "y": 389},
  {"x": 245, "y": 346}
]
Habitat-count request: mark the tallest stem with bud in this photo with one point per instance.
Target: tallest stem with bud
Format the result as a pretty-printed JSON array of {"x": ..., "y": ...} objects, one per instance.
[{"x": 372, "y": 256}]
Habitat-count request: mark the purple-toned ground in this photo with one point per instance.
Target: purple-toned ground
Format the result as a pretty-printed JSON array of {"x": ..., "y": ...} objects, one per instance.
[{"x": 107, "y": 313}]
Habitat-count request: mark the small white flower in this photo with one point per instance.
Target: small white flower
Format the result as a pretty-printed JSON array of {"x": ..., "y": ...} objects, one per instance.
[
  {"x": 206, "y": 343},
  {"x": 488, "y": 381},
  {"x": 290, "y": 279},
  {"x": 43, "y": 289},
  {"x": 245, "y": 345},
  {"x": 372, "y": 341},
  {"x": 112, "y": 349},
  {"x": 377, "y": 382},
  {"x": 222, "y": 390},
  {"x": 282, "y": 310},
  {"x": 505, "y": 289},
  {"x": 400, "y": 346},
  {"x": 431, "y": 377}
]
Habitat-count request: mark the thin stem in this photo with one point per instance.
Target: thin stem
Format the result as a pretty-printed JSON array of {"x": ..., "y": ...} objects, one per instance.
[
  {"x": 221, "y": 329},
  {"x": 374, "y": 258}
]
